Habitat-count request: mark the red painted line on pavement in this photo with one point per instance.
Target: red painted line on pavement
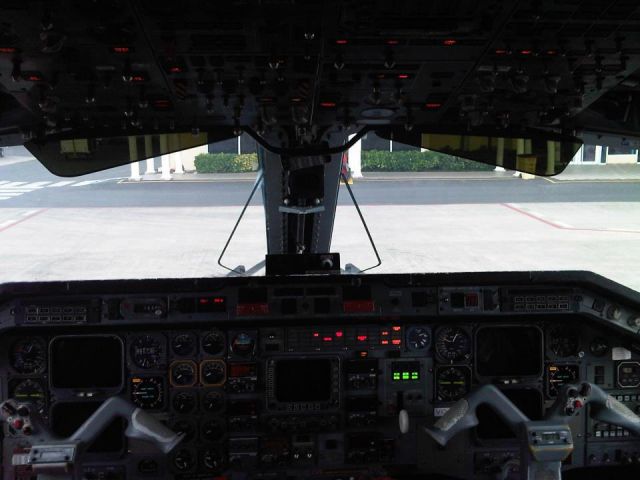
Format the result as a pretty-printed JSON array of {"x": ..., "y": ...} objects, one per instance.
[
  {"x": 23, "y": 219},
  {"x": 561, "y": 227}
]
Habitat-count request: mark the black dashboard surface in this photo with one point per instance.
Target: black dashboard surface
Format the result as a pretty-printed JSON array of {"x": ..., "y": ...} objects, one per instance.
[{"x": 305, "y": 376}]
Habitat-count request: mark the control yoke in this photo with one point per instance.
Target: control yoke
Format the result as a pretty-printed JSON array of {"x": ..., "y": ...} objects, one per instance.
[
  {"x": 55, "y": 457},
  {"x": 572, "y": 398},
  {"x": 545, "y": 443},
  {"x": 603, "y": 407}
]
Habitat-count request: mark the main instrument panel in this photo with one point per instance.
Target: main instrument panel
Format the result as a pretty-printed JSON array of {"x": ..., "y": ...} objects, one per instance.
[{"x": 307, "y": 378}]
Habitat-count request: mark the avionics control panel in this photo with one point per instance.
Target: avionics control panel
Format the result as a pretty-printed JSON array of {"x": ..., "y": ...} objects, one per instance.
[{"x": 282, "y": 379}]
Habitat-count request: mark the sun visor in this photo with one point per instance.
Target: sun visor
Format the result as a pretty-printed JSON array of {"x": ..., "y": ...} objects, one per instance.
[{"x": 80, "y": 154}]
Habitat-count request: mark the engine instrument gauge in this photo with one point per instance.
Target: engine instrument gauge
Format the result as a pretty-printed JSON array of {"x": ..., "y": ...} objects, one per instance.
[
  {"x": 452, "y": 382},
  {"x": 184, "y": 402},
  {"x": 418, "y": 338},
  {"x": 599, "y": 347},
  {"x": 183, "y": 344},
  {"x": 146, "y": 351},
  {"x": 559, "y": 375},
  {"x": 453, "y": 344},
  {"x": 30, "y": 390},
  {"x": 183, "y": 460},
  {"x": 213, "y": 342},
  {"x": 28, "y": 356},
  {"x": 564, "y": 341},
  {"x": 212, "y": 459},
  {"x": 212, "y": 401},
  {"x": 183, "y": 373},
  {"x": 212, "y": 372},
  {"x": 147, "y": 392}
]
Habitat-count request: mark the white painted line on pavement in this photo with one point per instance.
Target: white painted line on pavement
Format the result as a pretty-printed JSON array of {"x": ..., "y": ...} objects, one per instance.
[
  {"x": 10, "y": 194},
  {"x": 14, "y": 184},
  {"x": 62, "y": 183},
  {"x": 3, "y": 181},
  {"x": 87, "y": 182},
  {"x": 4, "y": 198},
  {"x": 37, "y": 184},
  {"x": 8, "y": 222},
  {"x": 29, "y": 212}
]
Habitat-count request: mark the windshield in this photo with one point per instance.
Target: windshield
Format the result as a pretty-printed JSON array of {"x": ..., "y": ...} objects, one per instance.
[{"x": 427, "y": 212}]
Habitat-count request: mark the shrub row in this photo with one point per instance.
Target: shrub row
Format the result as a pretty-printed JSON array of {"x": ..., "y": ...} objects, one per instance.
[
  {"x": 416, "y": 161},
  {"x": 372, "y": 161},
  {"x": 226, "y": 162}
]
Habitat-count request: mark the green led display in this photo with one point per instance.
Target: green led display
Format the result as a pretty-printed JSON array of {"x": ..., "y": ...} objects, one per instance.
[{"x": 410, "y": 375}]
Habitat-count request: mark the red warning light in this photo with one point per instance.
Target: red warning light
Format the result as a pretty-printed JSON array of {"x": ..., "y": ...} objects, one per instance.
[
  {"x": 316, "y": 334},
  {"x": 526, "y": 51},
  {"x": 328, "y": 104},
  {"x": 218, "y": 300},
  {"x": 449, "y": 42},
  {"x": 175, "y": 69},
  {"x": 403, "y": 76},
  {"x": 501, "y": 51},
  {"x": 392, "y": 42},
  {"x": 396, "y": 328},
  {"x": 342, "y": 41},
  {"x": 8, "y": 50},
  {"x": 362, "y": 338},
  {"x": 327, "y": 339},
  {"x": 120, "y": 49},
  {"x": 138, "y": 78},
  {"x": 397, "y": 341},
  {"x": 433, "y": 105},
  {"x": 34, "y": 77},
  {"x": 384, "y": 342},
  {"x": 339, "y": 334}
]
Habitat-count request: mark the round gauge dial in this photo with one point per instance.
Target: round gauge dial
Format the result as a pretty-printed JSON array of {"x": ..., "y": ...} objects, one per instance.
[
  {"x": 453, "y": 343},
  {"x": 212, "y": 459},
  {"x": 564, "y": 341},
  {"x": 599, "y": 347},
  {"x": 184, "y": 402},
  {"x": 243, "y": 344},
  {"x": 184, "y": 426},
  {"x": 183, "y": 460},
  {"x": 147, "y": 392},
  {"x": 183, "y": 344},
  {"x": 212, "y": 401},
  {"x": 146, "y": 351},
  {"x": 213, "y": 342},
  {"x": 452, "y": 383},
  {"x": 32, "y": 391},
  {"x": 211, "y": 430},
  {"x": 28, "y": 356},
  {"x": 212, "y": 372},
  {"x": 559, "y": 375},
  {"x": 418, "y": 338},
  {"x": 183, "y": 373}
]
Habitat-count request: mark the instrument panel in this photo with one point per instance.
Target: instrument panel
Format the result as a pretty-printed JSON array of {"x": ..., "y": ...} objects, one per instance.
[{"x": 273, "y": 392}]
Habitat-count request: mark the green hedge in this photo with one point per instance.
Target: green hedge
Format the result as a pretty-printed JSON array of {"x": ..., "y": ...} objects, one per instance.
[
  {"x": 416, "y": 161},
  {"x": 372, "y": 161},
  {"x": 226, "y": 163}
]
